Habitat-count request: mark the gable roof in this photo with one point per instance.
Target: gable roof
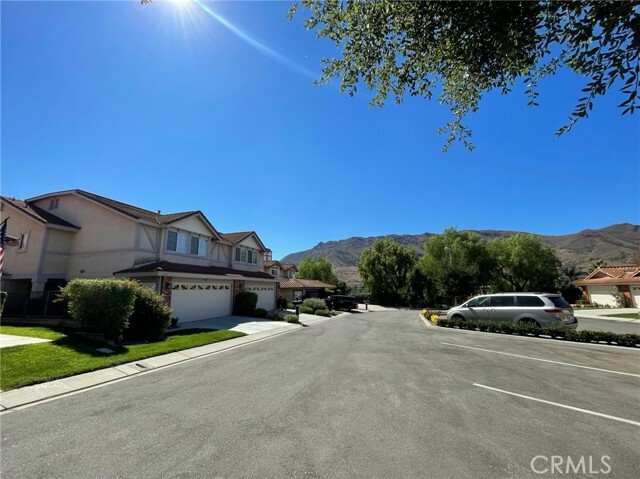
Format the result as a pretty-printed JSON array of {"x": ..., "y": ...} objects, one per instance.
[
  {"x": 612, "y": 275},
  {"x": 269, "y": 264},
  {"x": 132, "y": 211},
  {"x": 288, "y": 266},
  {"x": 37, "y": 213},
  {"x": 304, "y": 283},
  {"x": 235, "y": 238}
]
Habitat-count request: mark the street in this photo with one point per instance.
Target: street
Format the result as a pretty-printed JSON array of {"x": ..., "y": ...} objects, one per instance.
[
  {"x": 613, "y": 326},
  {"x": 371, "y": 395}
]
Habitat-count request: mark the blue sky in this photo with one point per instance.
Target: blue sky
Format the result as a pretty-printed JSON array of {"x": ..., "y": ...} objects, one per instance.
[{"x": 163, "y": 107}]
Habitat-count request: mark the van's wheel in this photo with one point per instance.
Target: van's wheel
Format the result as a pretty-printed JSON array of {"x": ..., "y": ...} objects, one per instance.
[{"x": 458, "y": 317}]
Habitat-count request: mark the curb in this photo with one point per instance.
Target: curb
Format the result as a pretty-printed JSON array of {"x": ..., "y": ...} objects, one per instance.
[
  {"x": 426, "y": 321},
  {"x": 41, "y": 392}
]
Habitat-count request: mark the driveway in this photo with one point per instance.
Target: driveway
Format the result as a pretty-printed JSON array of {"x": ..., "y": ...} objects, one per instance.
[
  {"x": 241, "y": 324},
  {"x": 8, "y": 340}
]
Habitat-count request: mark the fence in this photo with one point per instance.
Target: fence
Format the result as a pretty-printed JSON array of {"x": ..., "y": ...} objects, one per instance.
[{"x": 34, "y": 304}]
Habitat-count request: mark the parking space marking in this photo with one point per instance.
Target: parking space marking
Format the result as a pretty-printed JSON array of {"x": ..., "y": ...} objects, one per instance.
[
  {"x": 586, "y": 411},
  {"x": 543, "y": 360}
]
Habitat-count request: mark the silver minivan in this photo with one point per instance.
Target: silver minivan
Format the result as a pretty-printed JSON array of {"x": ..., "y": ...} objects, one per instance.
[{"x": 542, "y": 309}]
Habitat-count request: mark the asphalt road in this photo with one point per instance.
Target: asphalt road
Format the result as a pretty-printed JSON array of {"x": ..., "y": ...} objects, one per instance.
[
  {"x": 371, "y": 395},
  {"x": 608, "y": 325}
]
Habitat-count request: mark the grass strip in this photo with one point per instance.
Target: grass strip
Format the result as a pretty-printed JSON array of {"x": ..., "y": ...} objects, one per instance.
[{"x": 71, "y": 354}]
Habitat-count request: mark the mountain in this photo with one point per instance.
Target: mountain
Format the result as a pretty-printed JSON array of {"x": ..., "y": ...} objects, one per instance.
[{"x": 617, "y": 245}]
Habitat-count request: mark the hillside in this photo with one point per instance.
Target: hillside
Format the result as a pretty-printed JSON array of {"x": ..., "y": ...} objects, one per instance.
[{"x": 617, "y": 244}]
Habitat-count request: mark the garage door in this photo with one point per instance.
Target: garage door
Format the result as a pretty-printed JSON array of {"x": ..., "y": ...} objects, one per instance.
[
  {"x": 603, "y": 295},
  {"x": 200, "y": 300},
  {"x": 266, "y": 294},
  {"x": 635, "y": 292}
]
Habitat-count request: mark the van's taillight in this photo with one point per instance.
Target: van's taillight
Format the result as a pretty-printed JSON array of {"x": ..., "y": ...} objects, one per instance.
[{"x": 555, "y": 310}]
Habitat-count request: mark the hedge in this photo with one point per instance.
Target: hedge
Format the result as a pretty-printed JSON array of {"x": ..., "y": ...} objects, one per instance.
[
  {"x": 102, "y": 305},
  {"x": 323, "y": 312},
  {"x": 291, "y": 318},
  {"x": 314, "y": 303},
  {"x": 151, "y": 316},
  {"x": 3, "y": 299},
  {"x": 526, "y": 329},
  {"x": 306, "y": 310},
  {"x": 245, "y": 303}
]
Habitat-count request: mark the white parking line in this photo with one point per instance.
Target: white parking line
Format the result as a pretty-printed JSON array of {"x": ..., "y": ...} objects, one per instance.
[
  {"x": 586, "y": 411},
  {"x": 543, "y": 360}
]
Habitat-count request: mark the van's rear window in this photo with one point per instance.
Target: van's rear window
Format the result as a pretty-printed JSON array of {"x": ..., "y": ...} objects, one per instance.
[{"x": 559, "y": 302}]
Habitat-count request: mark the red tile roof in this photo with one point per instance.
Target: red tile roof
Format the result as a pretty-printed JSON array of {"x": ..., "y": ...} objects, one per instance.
[
  {"x": 612, "y": 275},
  {"x": 236, "y": 237},
  {"x": 304, "y": 283},
  {"x": 288, "y": 266}
]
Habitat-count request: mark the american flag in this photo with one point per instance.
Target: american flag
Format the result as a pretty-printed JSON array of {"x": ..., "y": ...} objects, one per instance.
[{"x": 3, "y": 240}]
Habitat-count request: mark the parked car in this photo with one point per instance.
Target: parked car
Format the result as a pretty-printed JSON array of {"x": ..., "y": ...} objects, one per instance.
[
  {"x": 338, "y": 301},
  {"x": 542, "y": 309}
]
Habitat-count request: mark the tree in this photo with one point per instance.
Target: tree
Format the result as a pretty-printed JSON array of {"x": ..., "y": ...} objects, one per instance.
[
  {"x": 385, "y": 270},
  {"x": 597, "y": 264},
  {"x": 458, "y": 263},
  {"x": 319, "y": 269},
  {"x": 463, "y": 50},
  {"x": 523, "y": 263}
]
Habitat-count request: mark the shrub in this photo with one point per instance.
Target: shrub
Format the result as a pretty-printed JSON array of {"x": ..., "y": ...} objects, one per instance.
[
  {"x": 3, "y": 299},
  {"x": 277, "y": 316},
  {"x": 622, "y": 300},
  {"x": 361, "y": 297},
  {"x": 151, "y": 316},
  {"x": 305, "y": 310},
  {"x": 260, "y": 313},
  {"x": 245, "y": 303},
  {"x": 281, "y": 303},
  {"x": 314, "y": 303},
  {"x": 323, "y": 312},
  {"x": 102, "y": 305},
  {"x": 526, "y": 329},
  {"x": 291, "y": 318}
]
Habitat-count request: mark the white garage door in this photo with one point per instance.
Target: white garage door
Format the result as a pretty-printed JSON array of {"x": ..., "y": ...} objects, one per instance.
[
  {"x": 603, "y": 295},
  {"x": 635, "y": 292},
  {"x": 266, "y": 294},
  {"x": 200, "y": 300}
]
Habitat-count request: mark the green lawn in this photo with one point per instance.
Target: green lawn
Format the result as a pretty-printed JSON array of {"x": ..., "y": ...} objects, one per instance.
[
  {"x": 68, "y": 354},
  {"x": 625, "y": 315}
]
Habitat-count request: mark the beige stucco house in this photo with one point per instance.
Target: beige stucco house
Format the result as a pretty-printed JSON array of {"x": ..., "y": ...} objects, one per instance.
[
  {"x": 602, "y": 284},
  {"x": 76, "y": 234}
]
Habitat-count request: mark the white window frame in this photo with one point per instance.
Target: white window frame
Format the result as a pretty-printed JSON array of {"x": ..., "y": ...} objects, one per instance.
[
  {"x": 246, "y": 255},
  {"x": 23, "y": 244},
  {"x": 184, "y": 241}
]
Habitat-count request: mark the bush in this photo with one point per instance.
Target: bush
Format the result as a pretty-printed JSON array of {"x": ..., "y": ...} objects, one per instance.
[
  {"x": 622, "y": 300},
  {"x": 281, "y": 303},
  {"x": 526, "y": 329},
  {"x": 245, "y": 303},
  {"x": 314, "y": 303},
  {"x": 260, "y": 313},
  {"x": 102, "y": 305},
  {"x": 291, "y": 318},
  {"x": 323, "y": 312},
  {"x": 361, "y": 297},
  {"x": 305, "y": 310},
  {"x": 3, "y": 299},
  {"x": 151, "y": 316},
  {"x": 277, "y": 316}
]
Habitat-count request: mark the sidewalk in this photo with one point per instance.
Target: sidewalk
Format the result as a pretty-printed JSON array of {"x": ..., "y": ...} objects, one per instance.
[
  {"x": 604, "y": 312},
  {"x": 43, "y": 391}
]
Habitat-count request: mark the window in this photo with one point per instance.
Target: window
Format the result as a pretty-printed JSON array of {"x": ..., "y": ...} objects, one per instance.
[
  {"x": 481, "y": 302},
  {"x": 184, "y": 243},
  {"x": 529, "y": 301},
  {"x": 274, "y": 272},
  {"x": 24, "y": 241},
  {"x": 502, "y": 301},
  {"x": 246, "y": 255},
  {"x": 53, "y": 204}
]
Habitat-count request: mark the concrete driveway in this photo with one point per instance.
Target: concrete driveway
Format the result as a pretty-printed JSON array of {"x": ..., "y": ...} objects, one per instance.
[
  {"x": 239, "y": 323},
  {"x": 8, "y": 340}
]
